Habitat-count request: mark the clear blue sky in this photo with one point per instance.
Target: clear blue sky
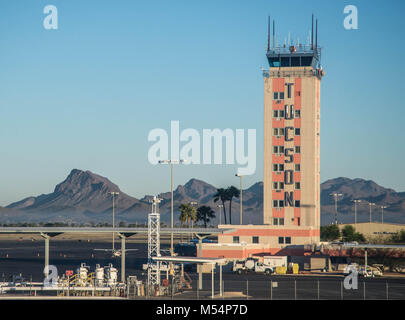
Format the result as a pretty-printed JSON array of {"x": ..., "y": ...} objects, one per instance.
[{"x": 86, "y": 95}]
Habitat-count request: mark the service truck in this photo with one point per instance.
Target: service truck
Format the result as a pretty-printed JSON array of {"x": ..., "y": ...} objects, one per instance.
[{"x": 252, "y": 265}]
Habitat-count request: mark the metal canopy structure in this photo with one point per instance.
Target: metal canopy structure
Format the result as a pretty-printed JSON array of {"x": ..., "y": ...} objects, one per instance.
[
  {"x": 199, "y": 260},
  {"x": 374, "y": 246},
  {"x": 184, "y": 259},
  {"x": 367, "y": 246},
  {"x": 60, "y": 230}
]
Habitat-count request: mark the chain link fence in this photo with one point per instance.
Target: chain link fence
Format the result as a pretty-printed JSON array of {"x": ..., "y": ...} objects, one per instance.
[{"x": 293, "y": 289}]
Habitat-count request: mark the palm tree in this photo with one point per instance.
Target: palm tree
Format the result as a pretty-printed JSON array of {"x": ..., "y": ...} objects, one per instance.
[
  {"x": 204, "y": 213},
  {"x": 231, "y": 192},
  {"x": 182, "y": 218},
  {"x": 223, "y": 196},
  {"x": 188, "y": 213}
]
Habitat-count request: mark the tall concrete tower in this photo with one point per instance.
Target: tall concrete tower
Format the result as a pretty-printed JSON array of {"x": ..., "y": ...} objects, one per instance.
[
  {"x": 292, "y": 136},
  {"x": 291, "y": 217}
]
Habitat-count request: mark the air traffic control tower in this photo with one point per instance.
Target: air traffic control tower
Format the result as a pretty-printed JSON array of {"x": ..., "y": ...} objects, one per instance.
[
  {"x": 291, "y": 181},
  {"x": 292, "y": 134}
]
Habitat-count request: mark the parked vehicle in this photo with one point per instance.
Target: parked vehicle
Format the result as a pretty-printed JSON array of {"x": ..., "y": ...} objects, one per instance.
[
  {"x": 262, "y": 268},
  {"x": 371, "y": 272},
  {"x": 251, "y": 265}
]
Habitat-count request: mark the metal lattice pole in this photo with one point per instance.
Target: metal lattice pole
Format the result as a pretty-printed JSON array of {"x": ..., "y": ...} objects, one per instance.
[{"x": 153, "y": 245}]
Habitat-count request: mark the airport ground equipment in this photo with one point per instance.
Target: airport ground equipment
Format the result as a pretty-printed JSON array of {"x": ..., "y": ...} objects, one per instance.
[
  {"x": 101, "y": 282},
  {"x": 252, "y": 265}
]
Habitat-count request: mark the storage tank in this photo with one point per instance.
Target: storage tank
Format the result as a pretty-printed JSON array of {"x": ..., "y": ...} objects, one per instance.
[
  {"x": 99, "y": 274},
  {"x": 111, "y": 275},
  {"x": 82, "y": 274}
]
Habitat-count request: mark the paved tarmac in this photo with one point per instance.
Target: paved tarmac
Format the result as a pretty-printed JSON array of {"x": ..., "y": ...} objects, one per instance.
[{"x": 27, "y": 257}]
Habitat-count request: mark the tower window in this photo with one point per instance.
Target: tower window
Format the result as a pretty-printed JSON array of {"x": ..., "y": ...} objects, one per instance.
[
  {"x": 278, "y": 203},
  {"x": 275, "y": 113},
  {"x": 278, "y": 95},
  {"x": 287, "y": 240},
  {"x": 235, "y": 239},
  {"x": 281, "y": 240},
  {"x": 278, "y": 131},
  {"x": 297, "y": 149},
  {"x": 278, "y": 167},
  {"x": 297, "y": 185},
  {"x": 278, "y": 221},
  {"x": 297, "y": 113},
  {"x": 297, "y": 131},
  {"x": 255, "y": 239},
  {"x": 297, "y": 167},
  {"x": 278, "y": 185},
  {"x": 297, "y": 203},
  {"x": 278, "y": 149}
]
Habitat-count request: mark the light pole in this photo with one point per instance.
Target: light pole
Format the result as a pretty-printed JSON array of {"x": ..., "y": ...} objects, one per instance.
[
  {"x": 382, "y": 213},
  {"x": 370, "y": 204},
  {"x": 172, "y": 163},
  {"x": 240, "y": 203},
  {"x": 113, "y": 224},
  {"x": 355, "y": 210},
  {"x": 220, "y": 211},
  {"x": 336, "y": 196}
]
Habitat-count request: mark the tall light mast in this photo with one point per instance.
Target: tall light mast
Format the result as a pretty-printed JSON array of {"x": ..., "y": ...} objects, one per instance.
[
  {"x": 113, "y": 218},
  {"x": 153, "y": 245}
]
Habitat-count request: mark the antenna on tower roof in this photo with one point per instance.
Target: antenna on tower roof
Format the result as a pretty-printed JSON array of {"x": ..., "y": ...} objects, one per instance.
[
  {"x": 316, "y": 35},
  {"x": 268, "y": 36},
  {"x": 312, "y": 33},
  {"x": 274, "y": 35}
]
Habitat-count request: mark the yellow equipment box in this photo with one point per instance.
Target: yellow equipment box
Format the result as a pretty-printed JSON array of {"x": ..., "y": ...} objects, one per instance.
[{"x": 281, "y": 270}]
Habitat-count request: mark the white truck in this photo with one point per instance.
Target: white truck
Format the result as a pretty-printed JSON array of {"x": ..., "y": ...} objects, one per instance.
[{"x": 252, "y": 265}]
